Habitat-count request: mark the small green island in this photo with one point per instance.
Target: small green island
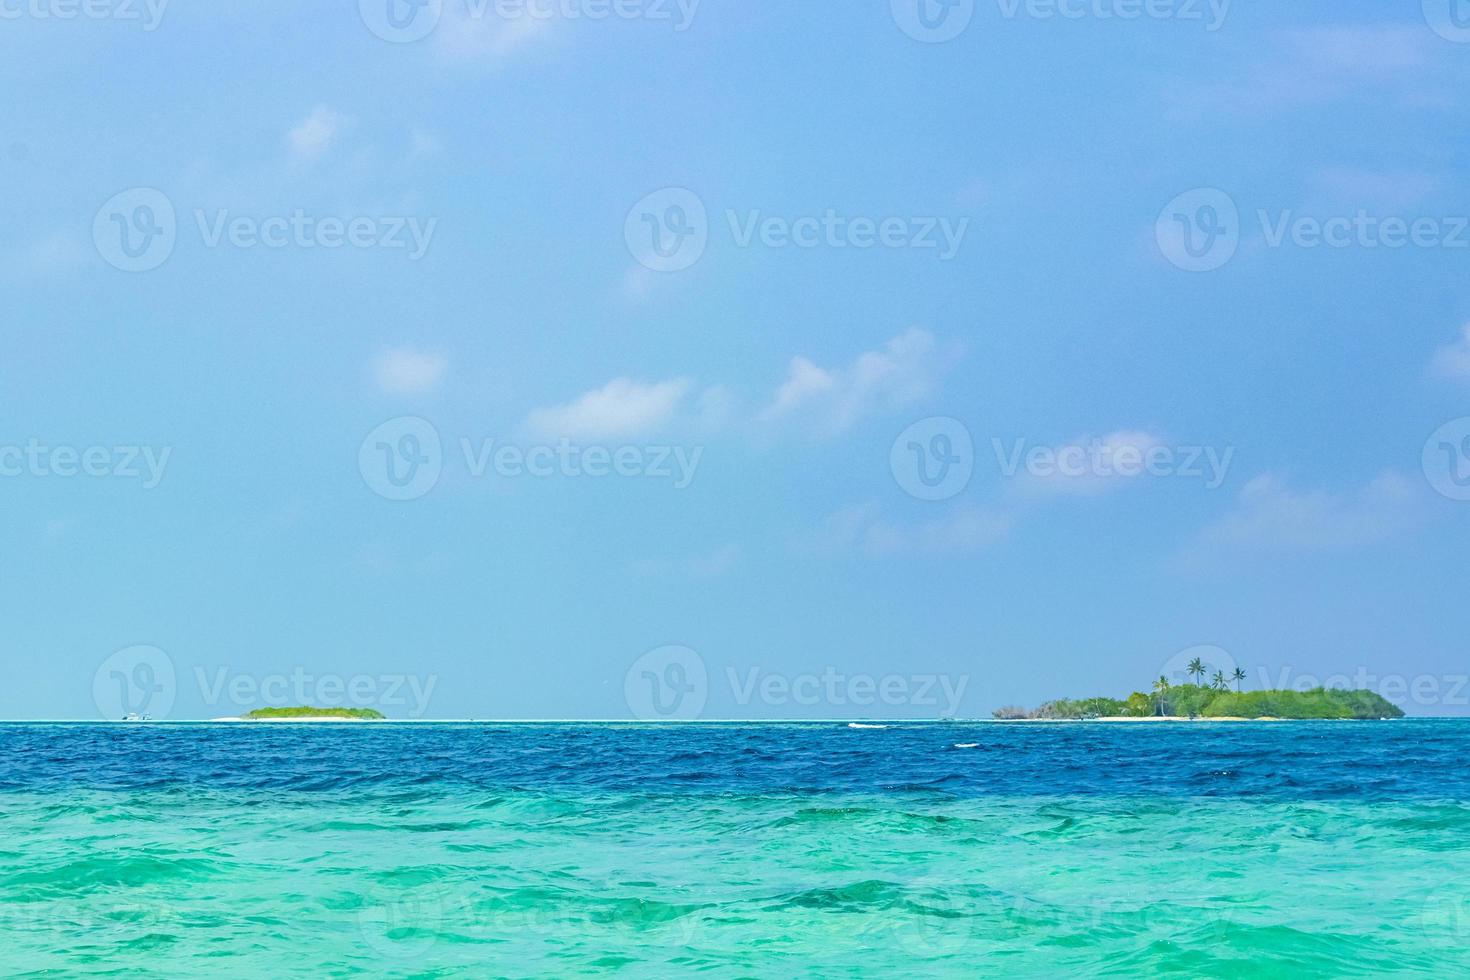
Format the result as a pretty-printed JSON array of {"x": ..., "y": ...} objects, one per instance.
[
  {"x": 306, "y": 712},
  {"x": 1214, "y": 701}
]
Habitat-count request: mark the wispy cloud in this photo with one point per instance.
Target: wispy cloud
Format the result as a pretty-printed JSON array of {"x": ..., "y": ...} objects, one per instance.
[
  {"x": 1269, "y": 515},
  {"x": 1353, "y": 187},
  {"x": 58, "y": 253},
  {"x": 621, "y": 409},
  {"x": 1453, "y": 360},
  {"x": 422, "y": 144},
  {"x": 311, "y": 138},
  {"x": 812, "y": 398},
  {"x": 1086, "y": 465},
  {"x": 832, "y": 400},
  {"x": 1310, "y": 67},
  {"x": 962, "y": 530},
  {"x": 480, "y": 35},
  {"x": 711, "y": 564},
  {"x": 409, "y": 371}
]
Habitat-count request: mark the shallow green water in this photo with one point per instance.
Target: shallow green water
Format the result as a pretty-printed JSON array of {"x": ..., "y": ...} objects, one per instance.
[{"x": 195, "y": 882}]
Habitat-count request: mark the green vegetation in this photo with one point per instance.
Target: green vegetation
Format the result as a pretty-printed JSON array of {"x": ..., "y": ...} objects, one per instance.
[
  {"x": 1318, "y": 703},
  {"x": 1093, "y": 708},
  {"x": 1216, "y": 700},
  {"x": 362, "y": 714}
]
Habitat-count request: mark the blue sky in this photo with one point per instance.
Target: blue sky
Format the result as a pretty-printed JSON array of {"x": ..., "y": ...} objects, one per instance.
[{"x": 862, "y": 230}]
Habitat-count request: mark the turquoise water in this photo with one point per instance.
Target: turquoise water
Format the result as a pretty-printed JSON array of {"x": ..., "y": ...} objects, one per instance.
[{"x": 1314, "y": 849}]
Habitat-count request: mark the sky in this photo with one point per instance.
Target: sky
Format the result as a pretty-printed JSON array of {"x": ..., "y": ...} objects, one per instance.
[{"x": 663, "y": 360}]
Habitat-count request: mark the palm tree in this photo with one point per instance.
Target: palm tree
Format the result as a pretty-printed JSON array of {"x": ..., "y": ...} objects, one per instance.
[
  {"x": 1218, "y": 681},
  {"x": 1197, "y": 667},
  {"x": 1238, "y": 676},
  {"x": 1161, "y": 689}
]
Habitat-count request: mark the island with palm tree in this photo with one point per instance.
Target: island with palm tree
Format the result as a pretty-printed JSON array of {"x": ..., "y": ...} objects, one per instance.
[{"x": 1214, "y": 701}]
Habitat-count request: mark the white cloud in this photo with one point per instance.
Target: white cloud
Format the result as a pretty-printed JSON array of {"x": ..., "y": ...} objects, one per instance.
[
  {"x": 638, "y": 282},
  {"x": 708, "y": 565},
  {"x": 409, "y": 371},
  {"x": 422, "y": 144},
  {"x": 965, "y": 529},
  {"x": 976, "y": 193},
  {"x": 1314, "y": 66},
  {"x": 622, "y": 408},
  {"x": 59, "y": 527},
  {"x": 317, "y": 133},
  {"x": 900, "y": 372},
  {"x": 1453, "y": 360},
  {"x": 1086, "y": 465},
  {"x": 831, "y": 400},
  {"x": 1349, "y": 187},
  {"x": 1269, "y": 515},
  {"x": 57, "y": 253},
  {"x": 464, "y": 36}
]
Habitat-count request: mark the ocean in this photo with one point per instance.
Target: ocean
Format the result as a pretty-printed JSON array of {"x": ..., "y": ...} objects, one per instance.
[{"x": 735, "y": 850}]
